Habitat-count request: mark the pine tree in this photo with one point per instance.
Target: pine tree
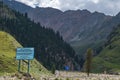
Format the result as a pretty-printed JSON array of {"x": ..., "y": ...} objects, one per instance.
[
  {"x": 88, "y": 61},
  {"x": 53, "y": 69}
]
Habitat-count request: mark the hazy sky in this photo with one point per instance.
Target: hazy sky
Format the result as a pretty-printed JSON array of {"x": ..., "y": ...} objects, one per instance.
[{"x": 111, "y": 7}]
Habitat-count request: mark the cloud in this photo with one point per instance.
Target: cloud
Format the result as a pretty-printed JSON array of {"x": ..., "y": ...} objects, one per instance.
[
  {"x": 29, "y": 2},
  {"x": 110, "y": 7},
  {"x": 95, "y": 1},
  {"x": 50, "y": 3}
]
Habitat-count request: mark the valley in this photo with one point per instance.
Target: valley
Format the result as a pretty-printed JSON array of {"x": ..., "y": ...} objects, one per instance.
[{"x": 61, "y": 40}]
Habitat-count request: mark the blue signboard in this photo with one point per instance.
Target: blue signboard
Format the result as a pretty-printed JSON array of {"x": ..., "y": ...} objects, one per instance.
[{"x": 25, "y": 53}]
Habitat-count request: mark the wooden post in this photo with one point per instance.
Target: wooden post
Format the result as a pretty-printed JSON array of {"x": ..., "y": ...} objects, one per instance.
[
  {"x": 19, "y": 65},
  {"x": 28, "y": 66}
]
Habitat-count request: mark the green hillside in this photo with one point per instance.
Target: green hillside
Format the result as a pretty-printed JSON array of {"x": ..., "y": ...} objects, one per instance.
[
  {"x": 8, "y": 63},
  {"x": 7, "y": 53},
  {"x": 109, "y": 58}
]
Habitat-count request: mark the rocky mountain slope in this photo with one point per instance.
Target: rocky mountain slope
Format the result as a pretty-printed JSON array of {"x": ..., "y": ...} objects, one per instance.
[{"x": 68, "y": 23}]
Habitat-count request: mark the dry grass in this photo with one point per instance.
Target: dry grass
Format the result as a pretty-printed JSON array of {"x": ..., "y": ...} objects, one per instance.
[{"x": 63, "y": 75}]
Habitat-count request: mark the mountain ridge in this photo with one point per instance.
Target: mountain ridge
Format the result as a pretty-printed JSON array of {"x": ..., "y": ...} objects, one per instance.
[{"x": 49, "y": 17}]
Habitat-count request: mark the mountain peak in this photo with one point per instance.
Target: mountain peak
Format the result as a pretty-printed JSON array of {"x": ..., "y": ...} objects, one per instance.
[
  {"x": 118, "y": 14},
  {"x": 85, "y": 12},
  {"x": 98, "y": 13}
]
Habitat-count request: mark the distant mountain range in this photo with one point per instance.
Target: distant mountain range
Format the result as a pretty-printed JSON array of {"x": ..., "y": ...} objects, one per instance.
[{"x": 81, "y": 28}]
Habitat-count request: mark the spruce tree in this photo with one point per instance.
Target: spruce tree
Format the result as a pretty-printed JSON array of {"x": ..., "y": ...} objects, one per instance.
[{"x": 88, "y": 61}]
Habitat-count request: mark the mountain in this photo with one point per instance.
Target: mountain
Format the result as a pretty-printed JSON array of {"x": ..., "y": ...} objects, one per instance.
[
  {"x": 81, "y": 28},
  {"x": 71, "y": 24},
  {"x": 50, "y": 49},
  {"x": 109, "y": 58}
]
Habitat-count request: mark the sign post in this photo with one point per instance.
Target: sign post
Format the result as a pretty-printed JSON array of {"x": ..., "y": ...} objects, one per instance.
[
  {"x": 28, "y": 66},
  {"x": 24, "y": 54},
  {"x": 19, "y": 65}
]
